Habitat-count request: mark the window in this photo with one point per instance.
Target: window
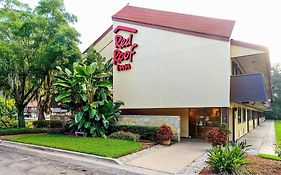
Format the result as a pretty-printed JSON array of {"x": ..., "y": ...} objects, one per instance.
[
  {"x": 244, "y": 115},
  {"x": 249, "y": 114},
  {"x": 239, "y": 115}
]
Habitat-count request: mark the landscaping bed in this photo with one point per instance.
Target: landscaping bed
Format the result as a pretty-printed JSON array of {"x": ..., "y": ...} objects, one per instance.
[
  {"x": 257, "y": 165},
  {"x": 97, "y": 146}
]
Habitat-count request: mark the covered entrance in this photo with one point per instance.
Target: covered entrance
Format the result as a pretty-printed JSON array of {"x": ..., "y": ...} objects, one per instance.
[{"x": 201, "y": 120}]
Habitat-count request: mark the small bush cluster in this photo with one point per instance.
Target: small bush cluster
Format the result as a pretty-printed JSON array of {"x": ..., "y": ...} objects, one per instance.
[
  {"x": 278, "y": 151},
  {"x": 228, "y": 159},
  {"x": 164, "y": 133},
  {"x": 7, "y": 122},
  {"x": 48, "y": 124},
  {"x": 29, "y": 124},
  {"x": 217, "y": 137},
  {"x": 14, "y": 131},
  {"x": 122, "y": 135},
  {"x": 145, "y": 132},
  {"x": 223, "y": 127}
]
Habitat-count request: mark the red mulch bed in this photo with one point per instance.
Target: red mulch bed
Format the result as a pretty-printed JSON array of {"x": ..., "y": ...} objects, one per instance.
[
  {"x": 147, "y": 144},
  {"x": 257, "y": 166}
]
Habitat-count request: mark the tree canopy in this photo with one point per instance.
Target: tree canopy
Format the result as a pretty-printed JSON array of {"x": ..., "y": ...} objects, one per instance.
[
  {"x": 276, "y": 93},
  {"x": 32, "y": 43}
]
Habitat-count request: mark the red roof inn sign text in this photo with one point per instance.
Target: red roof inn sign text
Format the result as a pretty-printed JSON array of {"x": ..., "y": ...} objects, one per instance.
[{"x": 120, "y": 42}]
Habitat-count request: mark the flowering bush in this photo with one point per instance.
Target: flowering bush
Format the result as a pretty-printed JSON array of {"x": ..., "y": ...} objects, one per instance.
[
  {"x": 217, "y": 137},
  {"x": 164, "y": 133},
  {"x": 122, "y": 135}
]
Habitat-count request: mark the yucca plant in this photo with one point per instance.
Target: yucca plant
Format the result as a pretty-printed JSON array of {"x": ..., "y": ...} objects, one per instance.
[
  {"x": 228, "y": 159},
  {"x": 87, "y": 92}
]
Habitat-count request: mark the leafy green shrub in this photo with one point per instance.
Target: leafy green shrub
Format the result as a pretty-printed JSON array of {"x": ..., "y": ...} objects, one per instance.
[
  {"x": 224, "y": 127},
  {"x": 7, "y": 107},
  {"x": 164, "y": 133},
  {"x": 56, "y": 124},
  {"x": 7, "y": 122},
  {"x": 48, "y": 124},
  {"x": 228, "y": 159},
  {"x": 87, "y": 90},
  {"x": 145, "y": 132},
  {"x": 29, "y": 124},
  {"x": 13, "y": 131},
  {"x": 55, "y": 130},
  {"x": 41, "y": 124},
  {"x": 122, "y": 135}
]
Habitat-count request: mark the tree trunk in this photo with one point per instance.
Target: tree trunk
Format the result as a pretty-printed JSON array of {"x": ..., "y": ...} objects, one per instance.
[
  {"x": 44, "y": 98},
  {"x": 40, "y": 113},
  {"x": 21, "y": 121}
]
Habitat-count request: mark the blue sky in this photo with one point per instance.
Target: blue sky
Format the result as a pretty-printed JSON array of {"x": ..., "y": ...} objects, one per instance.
[{"x": 256, "y": 21}]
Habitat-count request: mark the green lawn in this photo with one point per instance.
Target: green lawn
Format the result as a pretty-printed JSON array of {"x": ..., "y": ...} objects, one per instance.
[
  {"x": 278, "y": 132},
  {"x": 97, "y": 146},
  {"x": 269, "y": 156}
]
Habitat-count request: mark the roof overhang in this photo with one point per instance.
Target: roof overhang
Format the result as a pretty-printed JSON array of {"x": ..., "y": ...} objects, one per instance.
[
  {"x": 249, "y": 89},
  {"x": 255, "y": 62},
  {"x": 213, "y": 28}
]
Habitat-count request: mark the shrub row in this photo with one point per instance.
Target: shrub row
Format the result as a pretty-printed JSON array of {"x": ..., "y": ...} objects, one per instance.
[
  {"x": 48, "y": 124},
  {"x": 6, "y": 122},
  {"x": 145, "y": 132},
  {"x": 13, "y": 131},
  {"x": 123, "y": 135},
  {"x": 269, "y": 156}
]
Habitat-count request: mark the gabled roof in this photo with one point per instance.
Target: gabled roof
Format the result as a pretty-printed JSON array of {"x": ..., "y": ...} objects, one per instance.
[
  {"x": 99, "y": 38},
  {"x": 189, "y": 24}
]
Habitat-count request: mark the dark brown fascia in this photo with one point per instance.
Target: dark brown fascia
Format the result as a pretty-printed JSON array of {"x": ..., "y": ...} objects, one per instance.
[{"x": 99, "y": 38}]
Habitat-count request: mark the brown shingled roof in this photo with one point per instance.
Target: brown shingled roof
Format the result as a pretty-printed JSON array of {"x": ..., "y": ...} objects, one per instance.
[{"x": 190, "y": 24}]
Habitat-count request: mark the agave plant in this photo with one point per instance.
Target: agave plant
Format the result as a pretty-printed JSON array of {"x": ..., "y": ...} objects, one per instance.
[{"x": 87, "y": 92}]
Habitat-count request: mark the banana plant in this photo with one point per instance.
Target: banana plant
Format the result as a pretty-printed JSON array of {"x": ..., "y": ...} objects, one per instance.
[{"x": 87, "y": 92}]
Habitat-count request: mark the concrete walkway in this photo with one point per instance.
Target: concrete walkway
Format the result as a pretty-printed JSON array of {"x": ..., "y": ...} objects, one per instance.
[
  {"x": 173, "y": 158},
  {"x": 262, "y": 138}
]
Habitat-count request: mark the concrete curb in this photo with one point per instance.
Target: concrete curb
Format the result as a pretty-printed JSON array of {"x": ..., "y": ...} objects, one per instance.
[{"x": 48, "y": 149}]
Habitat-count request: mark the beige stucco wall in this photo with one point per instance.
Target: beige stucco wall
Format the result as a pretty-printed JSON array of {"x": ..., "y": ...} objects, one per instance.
[
  {"x": 105, "y": 46},
  {"x": 173, "y": 70},
  {"x": 237, "y": 51},
  {"x": 242, "y": 128}
]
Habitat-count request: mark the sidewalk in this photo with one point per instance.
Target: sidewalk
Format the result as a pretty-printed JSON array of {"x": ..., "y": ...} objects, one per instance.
[
  {"x": 174, "y": 158},
  {"x": 262, "y": 138}
]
